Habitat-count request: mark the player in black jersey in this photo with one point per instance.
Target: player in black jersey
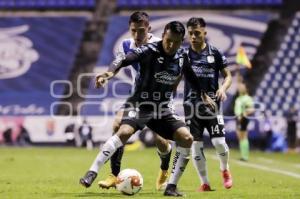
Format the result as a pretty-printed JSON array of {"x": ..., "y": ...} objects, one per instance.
[
  {"x": 206, "y": 62},
  {"x": 161, "y": 67},
  {"x": 139, "y": 28}
]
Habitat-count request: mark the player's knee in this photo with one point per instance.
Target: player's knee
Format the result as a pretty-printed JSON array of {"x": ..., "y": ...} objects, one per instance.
[
  {"x": 187, "y": 139},
  {"x": 116, "y": 126},
  {"x": 124, "y": 132},
  {"x": 220, "y": 144}
]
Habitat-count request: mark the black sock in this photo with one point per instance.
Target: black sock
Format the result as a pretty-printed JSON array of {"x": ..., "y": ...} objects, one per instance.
[
  {"x": 115, "y": 161},
  {"x": 165, "y": 160}
]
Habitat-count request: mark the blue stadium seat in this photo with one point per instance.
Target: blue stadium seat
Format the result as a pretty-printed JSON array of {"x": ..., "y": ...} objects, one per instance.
[
  {"x": 282, "y": 78},
  {"x": 177, "y": 3},
  {"x": 47, "y": 4}
]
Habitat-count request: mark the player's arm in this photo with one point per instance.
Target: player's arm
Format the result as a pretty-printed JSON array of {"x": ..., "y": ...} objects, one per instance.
[
  {"x": 222, "y": 66},
  {"x": 221, "y": 92},
  {"x": 176, "y": 85},
  {"x": 119, "y": 62}
]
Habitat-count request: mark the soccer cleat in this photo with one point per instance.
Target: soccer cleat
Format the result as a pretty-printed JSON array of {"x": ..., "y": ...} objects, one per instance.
[
  {"x": 88, "y": 179},
  {"x": 161, "y": 181},
  {"x": 204, "y": 187},
  {"x": 171, "y": 190},
  {"x": 109, "y": 182},
  {"x": 227, "y": 179}
]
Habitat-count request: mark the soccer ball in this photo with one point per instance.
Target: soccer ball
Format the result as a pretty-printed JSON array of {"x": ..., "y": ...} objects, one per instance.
[{"x": 129, "y": 181}]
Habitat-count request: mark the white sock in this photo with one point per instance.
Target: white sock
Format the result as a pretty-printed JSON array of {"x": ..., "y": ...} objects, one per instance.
[
  {"x": 180, "y": 161},
  {"x": 108, "y": 149},
  {"x": 222, "y": 150},
  {"x": 199, "y": 161}
]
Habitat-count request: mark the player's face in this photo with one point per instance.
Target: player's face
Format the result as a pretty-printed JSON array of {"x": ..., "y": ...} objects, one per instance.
[
  {"x": 171, "y": 42},
  {"x": 196, "y": 35},
  {"x": 139, "y": 32}
]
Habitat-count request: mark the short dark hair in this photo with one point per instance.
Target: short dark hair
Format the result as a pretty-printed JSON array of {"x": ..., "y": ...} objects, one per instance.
[
  {"x": 194, "y": 21},
  {"x": 138, "y": 17},
  {"x": 175, "y": 27}
]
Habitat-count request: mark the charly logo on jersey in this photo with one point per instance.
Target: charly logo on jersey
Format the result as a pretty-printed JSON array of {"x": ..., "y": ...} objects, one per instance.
[
  {"x": 165, "y": 78},
  {"x": 160, "y": 60},
  {"x": 16, "y": 52}
]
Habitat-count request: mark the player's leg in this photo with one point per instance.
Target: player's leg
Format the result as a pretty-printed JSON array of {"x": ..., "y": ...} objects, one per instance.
[
  {"x": 198, "y": 157},
  {"x": 116, "y": 158},
  {"x": 242, "y": 135},
  {"x": 216, "y": 130},
  {"x": 184, "y": 141},
  {"x": 110, "y": 146},
  {"x": 164, "y": 150}
]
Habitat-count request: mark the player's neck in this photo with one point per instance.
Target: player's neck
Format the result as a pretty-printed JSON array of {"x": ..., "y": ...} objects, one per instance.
[{"x": 198, "y": 48}]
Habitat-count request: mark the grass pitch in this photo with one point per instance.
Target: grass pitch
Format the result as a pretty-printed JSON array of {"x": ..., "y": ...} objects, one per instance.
[{"x": 55, "y": 172}]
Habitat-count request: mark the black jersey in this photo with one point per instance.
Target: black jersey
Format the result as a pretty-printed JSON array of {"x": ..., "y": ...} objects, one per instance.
[
  {"x": 158, "y": 74},
  {"x": 206, "y": 65}
]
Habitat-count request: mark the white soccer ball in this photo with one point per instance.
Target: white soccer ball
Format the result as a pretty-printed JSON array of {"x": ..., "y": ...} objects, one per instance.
[{"x": 129, "y": 181}]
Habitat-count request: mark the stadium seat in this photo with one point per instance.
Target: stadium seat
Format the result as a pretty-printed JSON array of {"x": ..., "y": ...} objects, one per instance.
[{"x": 282, "y": 78}]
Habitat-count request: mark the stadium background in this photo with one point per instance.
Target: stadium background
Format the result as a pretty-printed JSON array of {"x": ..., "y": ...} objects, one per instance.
[{"x": 50, "y": 51}]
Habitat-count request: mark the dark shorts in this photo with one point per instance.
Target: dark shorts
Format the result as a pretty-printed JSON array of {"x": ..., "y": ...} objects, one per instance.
[
  {"x": 214, "y": 126},
  {"x": 164, "y": 124},
  {"x": 200, "y": 120},
  {"x": 242, "y": 124}
]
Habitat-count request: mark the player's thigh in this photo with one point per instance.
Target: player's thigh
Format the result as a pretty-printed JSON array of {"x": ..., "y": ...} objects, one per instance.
[
  {"x": 136, "y": 118},
  {"x": 183, "y": 137},
  {"x": 167, "y": 125},
  {"x": 117, "y": 120},
  {"x": 196, "y": 128},
  {"x": 125, "y": 132}
]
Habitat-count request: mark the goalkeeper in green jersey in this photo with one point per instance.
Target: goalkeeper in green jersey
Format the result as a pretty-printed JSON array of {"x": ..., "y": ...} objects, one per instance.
[{"x": 243, "y": 108}]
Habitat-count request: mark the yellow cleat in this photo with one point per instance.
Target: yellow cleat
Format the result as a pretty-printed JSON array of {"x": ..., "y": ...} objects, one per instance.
[
  {"x": 109, "y": 182},
  {"x": 161, "y": 181}
]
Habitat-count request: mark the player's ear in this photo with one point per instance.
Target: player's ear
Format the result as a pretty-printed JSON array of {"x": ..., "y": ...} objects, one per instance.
[
  {"x": 149, "y": 28},
  {"x": 205, "y": 33}
]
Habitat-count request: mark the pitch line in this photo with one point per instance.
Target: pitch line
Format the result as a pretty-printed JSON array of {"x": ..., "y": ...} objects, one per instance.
[{"x": 264, "y": 168}]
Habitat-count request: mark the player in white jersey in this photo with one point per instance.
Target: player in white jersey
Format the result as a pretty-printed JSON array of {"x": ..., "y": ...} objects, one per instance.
[{"x": 139, "y": 28}]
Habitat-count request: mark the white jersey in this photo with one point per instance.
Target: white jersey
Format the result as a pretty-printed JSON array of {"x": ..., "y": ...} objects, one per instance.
[{"x": 128, "y": 45}]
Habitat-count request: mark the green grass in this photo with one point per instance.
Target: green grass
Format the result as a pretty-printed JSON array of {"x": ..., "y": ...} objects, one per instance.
[{"x": 54, "y": 173}]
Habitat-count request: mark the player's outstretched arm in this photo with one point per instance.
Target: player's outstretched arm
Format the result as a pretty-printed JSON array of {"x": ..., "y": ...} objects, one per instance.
[{"x": 119, "y": 62}]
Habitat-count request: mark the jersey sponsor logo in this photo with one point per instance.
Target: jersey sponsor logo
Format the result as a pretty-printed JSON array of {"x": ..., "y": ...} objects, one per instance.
[
  {"x": 165, "y": 78},
  {"x": 202, "y": 71},
  {"x": 16, "y": 52}
]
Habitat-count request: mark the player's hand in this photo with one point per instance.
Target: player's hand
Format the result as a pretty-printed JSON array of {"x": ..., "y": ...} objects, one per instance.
[
  {"x": 102, "y": 79},
  {"x": 221, "y": 94},
  {"x": 209, "y": 101}
]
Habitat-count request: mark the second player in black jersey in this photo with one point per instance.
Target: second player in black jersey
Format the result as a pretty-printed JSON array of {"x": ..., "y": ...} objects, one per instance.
[{"x": 206, "y": 63}]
